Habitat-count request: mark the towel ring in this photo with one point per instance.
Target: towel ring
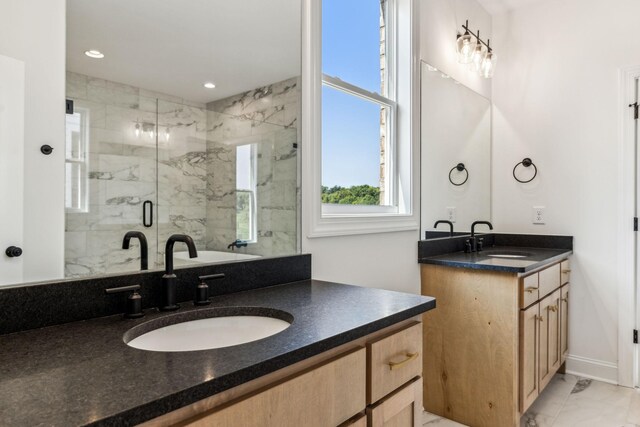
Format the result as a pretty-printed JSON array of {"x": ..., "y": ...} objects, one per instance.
[
  {"x": 460, "y": 167},
  {"x": 526, "y": 162}
]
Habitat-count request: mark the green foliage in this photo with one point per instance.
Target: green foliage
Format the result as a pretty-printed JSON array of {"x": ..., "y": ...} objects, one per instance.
[
  {"x": 356, "y": 195},
  {"x": 243, "y": 215}
]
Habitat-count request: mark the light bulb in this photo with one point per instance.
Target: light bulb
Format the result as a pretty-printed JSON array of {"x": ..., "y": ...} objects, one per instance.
[
  {"x": 166, "y": 134},
  {"x": 465, "y": 45},
  {"x": 137, "y": 130},
  {"x": 488, "y": 65},
  {"x": 479, "y": 54}
]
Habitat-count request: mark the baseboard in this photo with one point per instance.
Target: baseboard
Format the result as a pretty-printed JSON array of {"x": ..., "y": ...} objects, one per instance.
[{"x": 598, "y": 370}]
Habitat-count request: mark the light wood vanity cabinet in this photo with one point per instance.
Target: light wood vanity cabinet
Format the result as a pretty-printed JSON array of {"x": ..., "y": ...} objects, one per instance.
[
  {"x": 494, "y": 342},
  {"x": 373, "y": 381}
]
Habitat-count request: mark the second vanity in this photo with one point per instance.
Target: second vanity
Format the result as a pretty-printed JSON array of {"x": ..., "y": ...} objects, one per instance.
[
  {"x": 351, "y": 356},
  {"x": 500, "y": 332}
]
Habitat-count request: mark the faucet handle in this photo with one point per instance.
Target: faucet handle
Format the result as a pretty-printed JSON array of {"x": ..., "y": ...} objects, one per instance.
[
  {"x": 202, "y": 290},
  {"x": 480, "y": 244},
  {"x": 467, "y": 246},
  {"x": 134, "y": 301}
]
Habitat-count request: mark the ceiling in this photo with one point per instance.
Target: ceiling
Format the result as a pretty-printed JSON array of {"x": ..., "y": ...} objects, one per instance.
[
  {"x": 175, "y": 46},
  {"x": 495, "y": 7}
]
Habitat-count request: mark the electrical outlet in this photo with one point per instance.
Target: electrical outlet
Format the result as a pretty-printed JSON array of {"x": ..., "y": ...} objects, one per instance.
[
  {"x": 451, "y": 213},
  {"x": 538, "y": 215}
]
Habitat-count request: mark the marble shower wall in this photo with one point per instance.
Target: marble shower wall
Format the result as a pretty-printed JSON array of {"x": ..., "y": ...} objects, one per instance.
[
  {"x": 123, "y": 170},
  {"x": 269, "y": 118}
]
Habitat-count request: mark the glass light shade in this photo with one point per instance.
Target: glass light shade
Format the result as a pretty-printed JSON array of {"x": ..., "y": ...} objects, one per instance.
[
  {"x": 479, "y": 54},
  {"x": 488, "y": 65},
  {"x": 465, "y": 45}
]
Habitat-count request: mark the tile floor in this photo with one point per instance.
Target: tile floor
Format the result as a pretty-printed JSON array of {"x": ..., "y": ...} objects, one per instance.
[{"x": 570, "y": 401}]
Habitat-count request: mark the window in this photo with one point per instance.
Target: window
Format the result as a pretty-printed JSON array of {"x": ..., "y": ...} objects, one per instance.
[
  {"x": 361, "y": 115},
  {"x": 246, "y": 218},
  {"x": 358, "y": 108},
  {"x": 76, "y": 170}
]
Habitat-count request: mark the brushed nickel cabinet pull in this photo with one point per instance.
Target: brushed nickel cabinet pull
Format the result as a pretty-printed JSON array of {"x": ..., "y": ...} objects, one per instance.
[
  {"x": 565, "y": 299},
  {"x": 553, "y": 308},
  {"x": 530, "y": 289},
  {"x": 398, "y": 365},
  {"x": 539, "y": 318},
  {"x": 566, "y": 271}
]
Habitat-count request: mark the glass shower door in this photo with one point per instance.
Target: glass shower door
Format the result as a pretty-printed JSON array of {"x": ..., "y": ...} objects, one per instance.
[{"x": 111, "y": 176}]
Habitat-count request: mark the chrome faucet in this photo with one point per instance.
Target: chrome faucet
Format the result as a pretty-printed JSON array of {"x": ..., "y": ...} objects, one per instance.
[
  {"x": 144, "y": 251},
  {"x": 169, "y": 280},
  {"x": 442, "y": 221},
  {"x": 474, "y": 245}
]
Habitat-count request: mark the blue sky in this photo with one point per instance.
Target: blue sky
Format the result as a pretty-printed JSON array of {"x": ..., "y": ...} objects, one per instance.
[{"x": 350, "y": 126}]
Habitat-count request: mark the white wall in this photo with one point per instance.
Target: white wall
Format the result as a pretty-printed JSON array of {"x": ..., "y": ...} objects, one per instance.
[
  {"x": 440, "y": 20},
  {"x": 33, "y": 31},
  {"x": 556, "y": 100}
]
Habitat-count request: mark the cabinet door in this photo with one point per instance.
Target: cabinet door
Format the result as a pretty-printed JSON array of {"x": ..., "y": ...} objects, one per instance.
[
  {"x": 402, "y": 408},
  {"x": 328, "y": 395},
  {"x": 549, "y": 349},
  {"x": 529, "y": 327},
  {"x": 564, "y": 323}
]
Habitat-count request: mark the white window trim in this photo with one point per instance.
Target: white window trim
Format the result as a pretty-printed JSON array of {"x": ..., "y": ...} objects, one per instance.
[
  {"x": 83, "y": 162},
  {"x": 314, "y": 223},
  {"x": 254, "y": 193}
]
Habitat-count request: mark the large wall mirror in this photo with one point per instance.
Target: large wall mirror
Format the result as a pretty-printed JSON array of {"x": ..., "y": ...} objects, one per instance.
[
  {"x": 185, "y": 119},
  {"x": 455, "y": 154}
]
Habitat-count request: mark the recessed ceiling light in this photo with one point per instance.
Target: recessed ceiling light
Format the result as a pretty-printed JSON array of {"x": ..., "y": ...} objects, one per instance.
[
  {"x": 96, "y": 54},
  {"x": 209, "y": 85}
]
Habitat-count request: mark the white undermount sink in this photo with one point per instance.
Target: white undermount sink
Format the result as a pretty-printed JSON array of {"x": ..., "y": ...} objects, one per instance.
[{"x": 208, "y": 333}]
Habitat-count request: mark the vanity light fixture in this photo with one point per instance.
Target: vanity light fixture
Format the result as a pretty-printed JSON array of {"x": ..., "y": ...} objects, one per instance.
[
  {"x": 167, "y": 134},
  {"x": 209, "y": 85},
  {"x": 95, "y": 54},
  {"x": 137, "y": 130},
  {"x": 476, "y": 53}
]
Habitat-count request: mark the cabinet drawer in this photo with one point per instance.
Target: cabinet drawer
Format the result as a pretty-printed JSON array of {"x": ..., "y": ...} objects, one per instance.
[
  {"x": 565, "y": 272},
  {"x": 328, "y": 395},
  {"x": 401, "y": 409},
  {"x": 394, "y": 360},
  {"x": 528, "y": 290},
  {"x": 549, "y": 280}
]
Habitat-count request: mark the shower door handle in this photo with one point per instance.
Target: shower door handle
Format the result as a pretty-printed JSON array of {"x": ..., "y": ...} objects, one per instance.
[{"x": 147, "y": 213}]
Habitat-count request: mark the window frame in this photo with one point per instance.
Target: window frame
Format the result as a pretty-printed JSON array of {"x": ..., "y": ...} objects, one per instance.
[
  {"x": 253, "y": 183},
  {"x": 406, "y": 72},
  {"x": 388, "y": 100},
  {"x": 82, "y": 161}
]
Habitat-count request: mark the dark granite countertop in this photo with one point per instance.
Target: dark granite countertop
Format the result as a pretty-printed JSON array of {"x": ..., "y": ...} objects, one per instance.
[
  {"x": 533, "y": 258},
  {"x": 82, "y": 373}
]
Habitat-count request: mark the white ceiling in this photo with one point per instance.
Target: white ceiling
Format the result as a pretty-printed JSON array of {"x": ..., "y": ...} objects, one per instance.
[
  {"x": 174, "y": 46},
  {"x": 495, "y": 7}
]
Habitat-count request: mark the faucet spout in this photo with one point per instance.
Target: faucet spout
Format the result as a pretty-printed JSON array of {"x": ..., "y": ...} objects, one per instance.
[
  {"x": 168, "y": 254},
  {"x": 442, "y": 221},
  {"x": 144, "y": 250},
  {"x": 475, "y": 246},
  {"x": 169, "y": 280}
]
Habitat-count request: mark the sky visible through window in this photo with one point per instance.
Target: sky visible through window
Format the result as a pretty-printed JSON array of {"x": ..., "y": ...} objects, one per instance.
[{"x": 350, "y": 125}]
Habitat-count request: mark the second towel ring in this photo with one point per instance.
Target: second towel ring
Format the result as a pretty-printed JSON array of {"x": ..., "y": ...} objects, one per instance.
[
  {"x": 460, "y": 167},
  {"x": 526, "y": 162}
]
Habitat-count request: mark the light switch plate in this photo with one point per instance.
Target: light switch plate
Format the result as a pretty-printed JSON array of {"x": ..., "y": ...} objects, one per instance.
[{"x": 451, "y": 213}]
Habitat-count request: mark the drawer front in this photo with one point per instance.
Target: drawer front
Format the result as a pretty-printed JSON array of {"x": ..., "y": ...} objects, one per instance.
[
  {"x": 565, "y": 272},
  {"x": 528, "y": 290},
  {"x": 393, "y": 361},
  {"x": 549, "y": 280},
  {"x": 328, "y": 395},
  {"x": 564, "y": 323},
  {"x": 401, "y": 409}
]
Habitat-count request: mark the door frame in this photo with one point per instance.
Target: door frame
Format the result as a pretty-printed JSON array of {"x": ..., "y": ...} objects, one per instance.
[{"x": 627, "y": 247}]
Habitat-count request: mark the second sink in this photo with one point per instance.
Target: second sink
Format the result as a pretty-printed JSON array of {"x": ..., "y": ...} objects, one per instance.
[{"x": 208, "y": 329}]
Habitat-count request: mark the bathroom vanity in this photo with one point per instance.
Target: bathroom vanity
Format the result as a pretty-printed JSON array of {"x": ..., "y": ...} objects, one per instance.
[
  {"x": 501, "y": 329},
  {"x": 351, "y": 355}
]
